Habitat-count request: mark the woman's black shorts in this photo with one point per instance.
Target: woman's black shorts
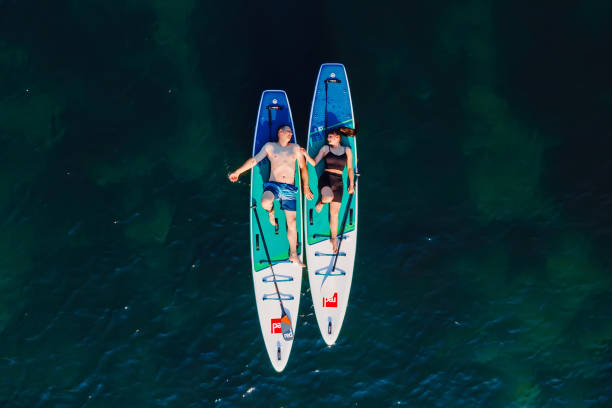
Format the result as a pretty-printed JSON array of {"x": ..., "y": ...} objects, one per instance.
[{"x": 333, "y": 181}]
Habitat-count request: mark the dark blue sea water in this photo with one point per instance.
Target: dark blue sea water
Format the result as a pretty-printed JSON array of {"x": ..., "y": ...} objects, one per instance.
[{"x": 483, "y": 275}]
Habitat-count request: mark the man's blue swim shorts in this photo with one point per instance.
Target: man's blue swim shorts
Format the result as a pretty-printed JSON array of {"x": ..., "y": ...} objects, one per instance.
[{"x": 285, "y": 193}]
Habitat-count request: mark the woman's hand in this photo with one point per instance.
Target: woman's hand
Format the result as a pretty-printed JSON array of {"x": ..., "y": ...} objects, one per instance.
[
  {"x": 309, "y": 159},
  {"x": 233, "y": 177},
  {"x": 351, "y": 189}
]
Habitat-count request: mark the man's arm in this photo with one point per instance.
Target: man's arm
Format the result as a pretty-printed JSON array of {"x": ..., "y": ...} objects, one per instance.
[
  {"x": 249, "y": 164},
  {"x": 303, "y": 173},
  {"x": 324, "y": 150}
]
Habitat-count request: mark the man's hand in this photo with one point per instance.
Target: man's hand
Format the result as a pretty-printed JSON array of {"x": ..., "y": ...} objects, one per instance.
[
  {"x": 233, "y": 177},
  {"x": 308, "y": 193},
  {"x": 351, "y": 189}
]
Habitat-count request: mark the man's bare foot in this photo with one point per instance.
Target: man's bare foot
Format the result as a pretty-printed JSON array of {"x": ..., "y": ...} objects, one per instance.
[
  {"x": 296, "y": 260},
  {"x": 271, "y": 217},
  {"x": 319, "y": 206},
  {"x": 334, "y": 243}
]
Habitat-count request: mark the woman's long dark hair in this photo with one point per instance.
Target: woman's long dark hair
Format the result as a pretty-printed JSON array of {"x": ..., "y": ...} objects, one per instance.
[
  {"x": 346, "y": 131},
  {"x": 343, "y": 131}
]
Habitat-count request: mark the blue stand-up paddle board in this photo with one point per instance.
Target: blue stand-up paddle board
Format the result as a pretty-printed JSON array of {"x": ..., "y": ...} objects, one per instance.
[
  {"x": 277, "y": 286},
  {"x": 330, "y": 275}
]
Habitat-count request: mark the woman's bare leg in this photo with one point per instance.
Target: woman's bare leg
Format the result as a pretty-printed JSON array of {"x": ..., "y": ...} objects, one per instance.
[
  {"x": 326, "y": 196},
  {"x": 334, "y": 209}
]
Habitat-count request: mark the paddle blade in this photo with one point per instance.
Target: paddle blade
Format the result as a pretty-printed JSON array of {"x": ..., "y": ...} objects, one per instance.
[{"x": 286, "y": 328}]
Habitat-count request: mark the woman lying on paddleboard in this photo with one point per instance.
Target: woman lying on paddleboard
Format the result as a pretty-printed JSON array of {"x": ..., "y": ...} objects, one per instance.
[{"x": 331, "y": 186}]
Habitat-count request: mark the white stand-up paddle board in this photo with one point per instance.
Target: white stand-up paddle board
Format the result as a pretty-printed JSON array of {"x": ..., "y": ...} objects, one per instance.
[
  {"x": 330, "y": 275},
  {"x": 277, "y": 286}
]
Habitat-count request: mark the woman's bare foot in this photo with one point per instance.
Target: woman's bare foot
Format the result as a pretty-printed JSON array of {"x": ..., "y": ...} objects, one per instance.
[
  {"x": 334, "y": 243},
  {"x": 319, "y": 206},
  {"x": 296, "y": 260},
  {"x": 271, "y": 217}
]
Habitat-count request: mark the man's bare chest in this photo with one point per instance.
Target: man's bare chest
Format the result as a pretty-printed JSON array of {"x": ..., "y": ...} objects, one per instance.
[{"x": 282, "y": 156}]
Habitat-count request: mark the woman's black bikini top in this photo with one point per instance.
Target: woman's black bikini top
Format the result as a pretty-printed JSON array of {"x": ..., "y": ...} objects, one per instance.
[{"x": 334, "y": 162}]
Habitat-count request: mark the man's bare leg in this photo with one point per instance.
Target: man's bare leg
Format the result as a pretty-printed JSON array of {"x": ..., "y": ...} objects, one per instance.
[
  {"x": 292, "y": 237},
  {"x": 267, "y": 202},
  {"x": 326, "y": 196},
  {"x": 334, "y": 209}
]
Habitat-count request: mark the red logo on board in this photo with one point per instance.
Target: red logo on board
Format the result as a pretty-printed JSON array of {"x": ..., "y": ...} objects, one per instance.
[
  {"x": 275, "y": 326},
  {"x": 331, "y": 301}
]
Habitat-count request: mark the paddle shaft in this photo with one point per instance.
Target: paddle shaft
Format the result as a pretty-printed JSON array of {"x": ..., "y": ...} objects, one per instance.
[
  {"x": 346, "y": 211},
  {"x": 325, "y": 130},
  {"x": 269, "y": 126},
  {"x": 269, "y": 260},
  {"x": 334, "y": 81},
  {"x": 269, "y": 108},
  {"x": 351, "y": 196}
]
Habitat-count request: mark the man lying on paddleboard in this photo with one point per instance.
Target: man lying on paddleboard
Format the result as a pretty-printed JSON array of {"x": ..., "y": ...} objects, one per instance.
[{"x": 281, "y": 186}]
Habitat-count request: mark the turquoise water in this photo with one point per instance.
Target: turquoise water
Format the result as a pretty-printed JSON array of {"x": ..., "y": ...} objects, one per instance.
[{"x": 483, "y": 274}]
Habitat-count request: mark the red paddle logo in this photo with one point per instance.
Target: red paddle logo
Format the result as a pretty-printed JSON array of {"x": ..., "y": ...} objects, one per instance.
[
  {"x": 331, "y": 301},
  {"x": 275, "y": 326}
]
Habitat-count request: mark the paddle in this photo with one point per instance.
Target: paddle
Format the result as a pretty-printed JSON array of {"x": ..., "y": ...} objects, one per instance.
[
  {"x": 286, "y": 327},
  {"x": 337, "y": 81},
  {"x": 269, "y": 108},
  {"x": 333, "y": 81},
  {"x": 346, "y": 211}
]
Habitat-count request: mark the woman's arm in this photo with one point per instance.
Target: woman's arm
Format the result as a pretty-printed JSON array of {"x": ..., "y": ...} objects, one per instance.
[
  {"x": 307, "y": 157},
  {"x": 349, "y": 166},
  {"x": 303, "y": 171}
]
